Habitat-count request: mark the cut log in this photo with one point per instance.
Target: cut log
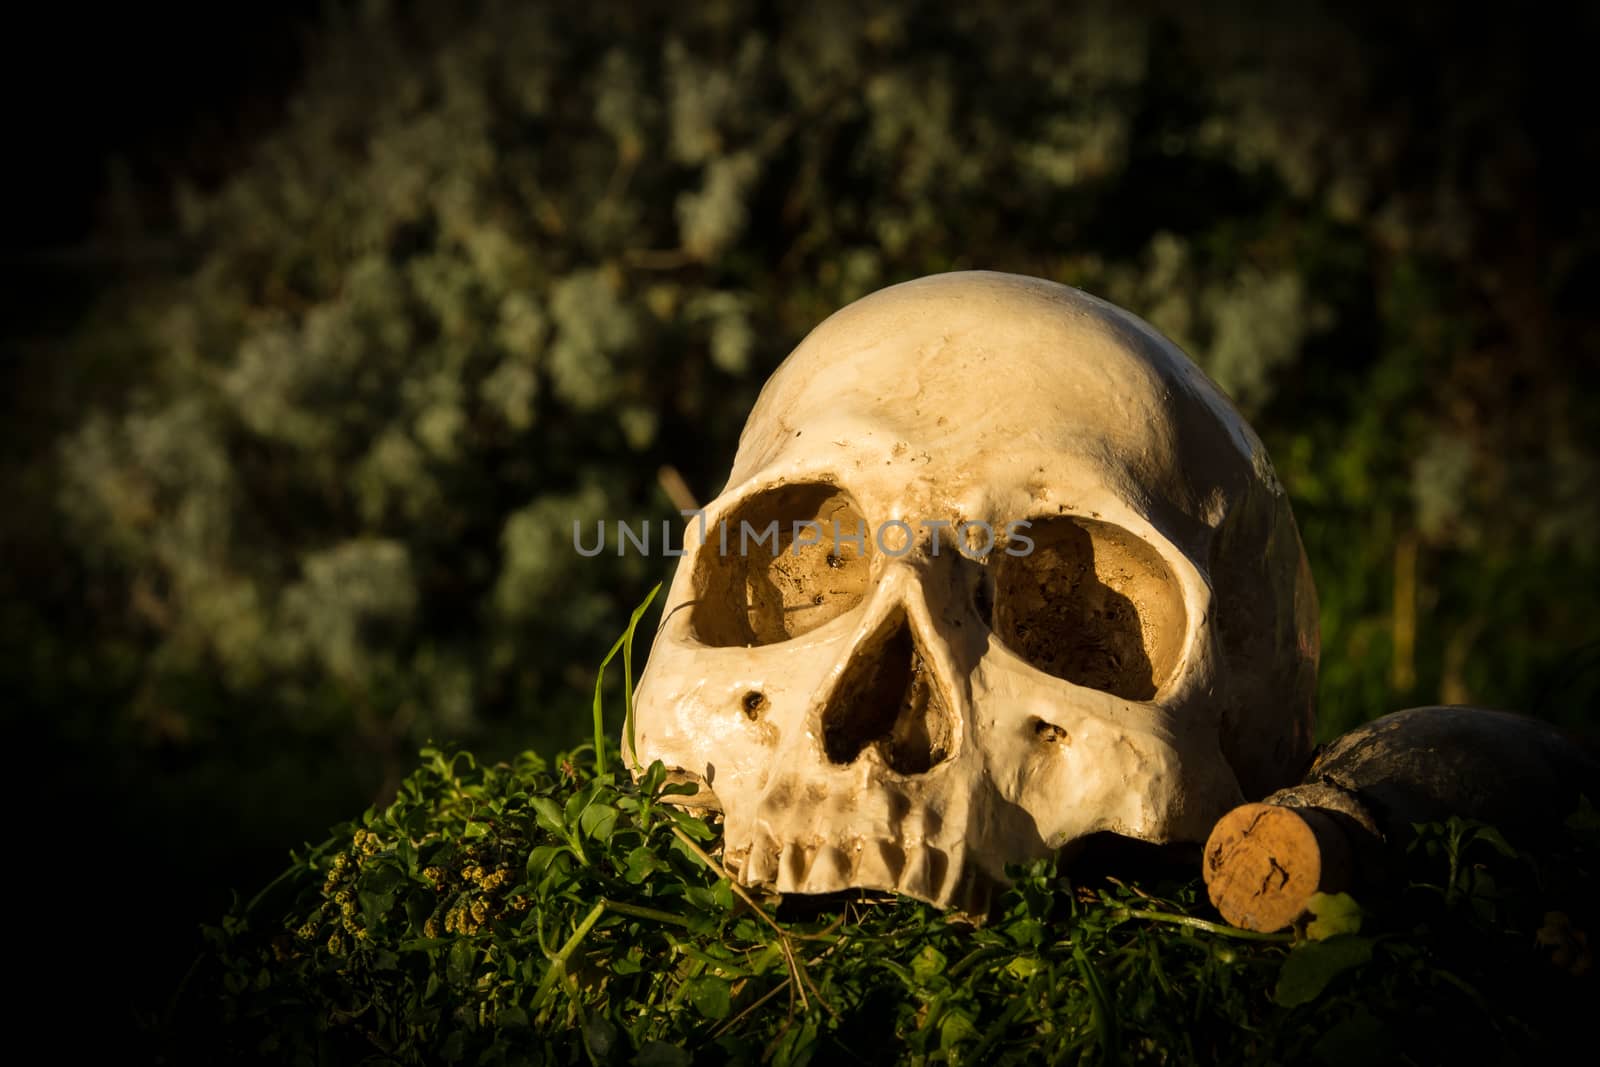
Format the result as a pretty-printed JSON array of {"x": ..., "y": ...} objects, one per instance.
[{"x": 1263, "y": 861}]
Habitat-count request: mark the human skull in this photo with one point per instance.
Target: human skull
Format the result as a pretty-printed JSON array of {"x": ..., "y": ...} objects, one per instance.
[{"x": 915, "y": 709}]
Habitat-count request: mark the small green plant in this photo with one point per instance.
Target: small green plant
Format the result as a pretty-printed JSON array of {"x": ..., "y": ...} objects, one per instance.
[
  {"x": 522, "y": 914},
  {"x": 529, "y": 914}
]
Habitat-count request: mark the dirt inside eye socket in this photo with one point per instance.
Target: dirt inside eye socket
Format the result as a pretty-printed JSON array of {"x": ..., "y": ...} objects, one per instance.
[
  {"x": 771, "y": 570},
  {"x": 1092, "y": 605}
]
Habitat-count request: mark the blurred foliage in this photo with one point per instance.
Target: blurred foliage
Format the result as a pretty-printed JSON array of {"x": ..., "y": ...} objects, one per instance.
[
  {"x": 509, "y": 915},
  {"x": 306, "y": 497}
]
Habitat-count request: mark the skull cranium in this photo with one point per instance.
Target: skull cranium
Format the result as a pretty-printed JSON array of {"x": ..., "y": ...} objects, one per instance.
[{"x": 873, "y": 700}]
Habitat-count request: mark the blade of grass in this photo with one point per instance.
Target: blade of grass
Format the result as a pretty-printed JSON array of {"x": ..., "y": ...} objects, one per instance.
[
  {"x": 558, "y": 961},
  {"x": 1196, "y": 923},
  {"x": 636, "y": 911},
  {"x": 796, "y": 971},
  {"x": 1105, "y": 1016},
  {"x": 739, "y": 1018},
  {"x": 624, "y": 644},
  {"x": 627, "y": 674}
]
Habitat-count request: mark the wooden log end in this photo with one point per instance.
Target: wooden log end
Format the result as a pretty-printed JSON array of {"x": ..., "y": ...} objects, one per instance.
[{"x": 1263, "y": 862}]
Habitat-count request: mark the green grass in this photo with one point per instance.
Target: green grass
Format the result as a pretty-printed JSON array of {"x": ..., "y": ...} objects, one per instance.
[
  {"x": 523, "y": 913},
  {"x": 509, "y": 914}
]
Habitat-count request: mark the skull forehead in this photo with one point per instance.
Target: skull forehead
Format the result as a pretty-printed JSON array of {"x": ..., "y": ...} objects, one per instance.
[{"x": 973, "y": 374}]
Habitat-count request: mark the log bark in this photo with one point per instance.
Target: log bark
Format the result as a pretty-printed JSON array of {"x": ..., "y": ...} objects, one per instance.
[{"x": 1340, "y": 828}]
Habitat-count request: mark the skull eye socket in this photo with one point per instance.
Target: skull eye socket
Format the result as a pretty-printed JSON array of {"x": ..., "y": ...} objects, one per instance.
[
  {"x": 782, "y": 573},
  {"x": 1092, "y": 605}
]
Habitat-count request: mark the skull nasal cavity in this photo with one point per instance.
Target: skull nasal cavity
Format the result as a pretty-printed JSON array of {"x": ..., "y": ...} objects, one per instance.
[{"x": 888, "y": 696}]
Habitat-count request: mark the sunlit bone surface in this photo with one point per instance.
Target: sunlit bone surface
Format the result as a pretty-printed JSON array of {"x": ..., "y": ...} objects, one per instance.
[{"x": 912, "y": 713}]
